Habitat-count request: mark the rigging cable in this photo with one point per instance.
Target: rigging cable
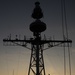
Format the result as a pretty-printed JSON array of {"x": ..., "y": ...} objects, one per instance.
[
  {"x": 69, "y": 59},
  {"x": 65, "y": 19},
  {"x": 67, "y": 38},
  {"x": 62, "y": 13},
  {"x": 64, "y": 27}
]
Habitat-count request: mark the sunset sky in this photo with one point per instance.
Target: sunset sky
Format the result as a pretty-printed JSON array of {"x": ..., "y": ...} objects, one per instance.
[{"x": 15, "y": 18}]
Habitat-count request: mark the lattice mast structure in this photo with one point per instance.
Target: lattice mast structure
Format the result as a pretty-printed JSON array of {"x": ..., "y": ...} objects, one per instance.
[{"x": 36, "y": 66}]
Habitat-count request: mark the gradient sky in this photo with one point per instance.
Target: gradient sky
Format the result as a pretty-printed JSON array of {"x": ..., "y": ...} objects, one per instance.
[{"x": 15, "y": 18}]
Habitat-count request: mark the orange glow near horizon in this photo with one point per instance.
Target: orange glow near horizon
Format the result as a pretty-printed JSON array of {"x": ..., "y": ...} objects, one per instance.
[{"x": 19, "y": 63}]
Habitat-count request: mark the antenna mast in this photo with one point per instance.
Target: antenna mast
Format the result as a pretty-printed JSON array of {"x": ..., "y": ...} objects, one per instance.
[{"x": 36, "y": 66}]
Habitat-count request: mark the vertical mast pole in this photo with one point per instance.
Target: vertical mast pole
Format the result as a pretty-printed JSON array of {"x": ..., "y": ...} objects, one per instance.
[{"x": 37, "y": 55}]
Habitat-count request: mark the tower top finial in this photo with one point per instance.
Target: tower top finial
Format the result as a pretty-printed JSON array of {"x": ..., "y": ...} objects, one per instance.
[
  {"x": 37, "y": 12},
  {"x": 37, "y": 3}
]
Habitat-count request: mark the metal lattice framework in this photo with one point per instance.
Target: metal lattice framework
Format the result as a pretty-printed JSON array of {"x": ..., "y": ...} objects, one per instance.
[
  {"x": 36, "y": 66},
  {"x": 37, "y": 48}
]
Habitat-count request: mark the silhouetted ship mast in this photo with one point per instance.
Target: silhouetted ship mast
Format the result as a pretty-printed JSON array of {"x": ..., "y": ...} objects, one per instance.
[{"x": 36, "y": 66}]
